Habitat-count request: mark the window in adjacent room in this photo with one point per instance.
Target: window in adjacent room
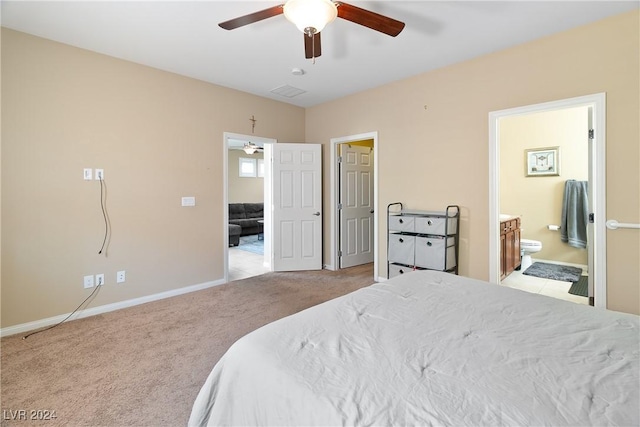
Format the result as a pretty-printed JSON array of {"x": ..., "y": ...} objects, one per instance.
[
  {"x": 261, "y": 168},
  {"x": 248, "y": 168}
]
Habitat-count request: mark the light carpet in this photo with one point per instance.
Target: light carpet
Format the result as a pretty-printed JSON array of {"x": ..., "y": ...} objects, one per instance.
[{"x": 144, "y": 365}]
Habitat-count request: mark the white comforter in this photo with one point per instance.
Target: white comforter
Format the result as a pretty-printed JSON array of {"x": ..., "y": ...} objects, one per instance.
[{"x": 430, "y": 348}]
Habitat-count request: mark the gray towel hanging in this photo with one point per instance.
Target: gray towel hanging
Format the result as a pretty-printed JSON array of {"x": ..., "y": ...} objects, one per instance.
[{"x": 575, "y": 214}]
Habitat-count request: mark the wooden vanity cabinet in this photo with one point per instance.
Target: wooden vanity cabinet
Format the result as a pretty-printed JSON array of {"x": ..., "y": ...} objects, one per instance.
[{"x": 509, "y": 246}]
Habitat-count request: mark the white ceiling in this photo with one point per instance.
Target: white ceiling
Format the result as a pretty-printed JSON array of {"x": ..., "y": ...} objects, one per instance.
[{"x": 183, "y": 37}]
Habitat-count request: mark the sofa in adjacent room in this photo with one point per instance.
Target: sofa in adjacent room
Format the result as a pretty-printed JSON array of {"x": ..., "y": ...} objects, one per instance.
[
  {"x": 234, "y": 234},
  {"x": 247, "y": 215}
]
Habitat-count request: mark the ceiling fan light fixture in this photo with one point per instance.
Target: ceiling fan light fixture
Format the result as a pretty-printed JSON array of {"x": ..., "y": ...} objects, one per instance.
[
  {"x": 310, "y": 16},
  {"x": 250, "y": 148}
]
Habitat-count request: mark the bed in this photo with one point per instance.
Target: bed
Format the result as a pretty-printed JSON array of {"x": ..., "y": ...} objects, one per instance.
[{"x": 431, "y": 348}]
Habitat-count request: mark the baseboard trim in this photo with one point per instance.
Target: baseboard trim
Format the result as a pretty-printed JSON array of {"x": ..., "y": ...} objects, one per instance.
[{"x": 37, "y": 324}]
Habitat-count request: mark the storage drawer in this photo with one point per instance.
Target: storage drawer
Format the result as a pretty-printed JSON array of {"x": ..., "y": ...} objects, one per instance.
[
  {"x": 401, "y": 223},
  {"x": 397, "y": 270},
  {"x": 430, "y": 252},
  {"x": 435, "y": 225},
  {"x": 401, "y": 248}
]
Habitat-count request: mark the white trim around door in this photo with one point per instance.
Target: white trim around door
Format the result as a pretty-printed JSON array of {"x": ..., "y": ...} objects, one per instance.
[
  {"x": 333, "y": 220},
  {"x": 225, "y": 196}
]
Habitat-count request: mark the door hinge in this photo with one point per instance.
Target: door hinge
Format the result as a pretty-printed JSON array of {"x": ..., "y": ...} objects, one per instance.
[
  {"x": 591, "y": 134},
  {"x": 339, "y": 206},
  {"x": 339, "y": 159},
  {"x": 591, "y": 218},
  {"x": 339, "y": 253}
]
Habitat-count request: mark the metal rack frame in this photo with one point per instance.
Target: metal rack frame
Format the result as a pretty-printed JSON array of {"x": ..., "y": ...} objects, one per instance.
[{"x": 452, "y": 211}]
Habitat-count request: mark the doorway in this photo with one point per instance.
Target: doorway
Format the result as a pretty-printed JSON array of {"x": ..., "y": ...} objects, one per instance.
[
  {"x": 252, "y": 183},
  {"x": 354, "y": 231},
  {"x": 593, "y": 140}
]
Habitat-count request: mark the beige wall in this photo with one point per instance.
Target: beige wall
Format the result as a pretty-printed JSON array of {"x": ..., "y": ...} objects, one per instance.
[
  {"x": 433, "y": 135},
  {"x": 244, "y": 189},
  {"x": 157, "y": 135},
  {"x": 538, "y": 200}
]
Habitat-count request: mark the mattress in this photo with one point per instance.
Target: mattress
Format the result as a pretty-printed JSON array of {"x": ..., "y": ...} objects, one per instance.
[{"x": 431, "y": 348}]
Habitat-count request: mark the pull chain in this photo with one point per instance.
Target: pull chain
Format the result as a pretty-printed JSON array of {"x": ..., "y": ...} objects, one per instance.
[{"x": 313, "y": 49}]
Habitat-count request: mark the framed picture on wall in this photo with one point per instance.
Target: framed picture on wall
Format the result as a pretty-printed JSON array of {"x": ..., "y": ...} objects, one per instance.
[{"x": 542, "y": 161}]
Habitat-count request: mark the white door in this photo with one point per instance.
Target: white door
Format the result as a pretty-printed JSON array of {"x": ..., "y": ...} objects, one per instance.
[
  {"x": 590, "y": 196},
  {"x": 356, "y": 205},
  {"x": 297, "y": 207}
]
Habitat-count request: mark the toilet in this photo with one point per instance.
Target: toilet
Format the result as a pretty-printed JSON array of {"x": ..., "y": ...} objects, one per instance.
[{"x": 528, "y": 247}]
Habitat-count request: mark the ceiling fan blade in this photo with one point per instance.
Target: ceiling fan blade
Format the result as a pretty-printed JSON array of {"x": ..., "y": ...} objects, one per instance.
[
  {"x": 369, "y": 19},
  {"x": 312, "y": 47},
  {"x": 251, "y": 18}
]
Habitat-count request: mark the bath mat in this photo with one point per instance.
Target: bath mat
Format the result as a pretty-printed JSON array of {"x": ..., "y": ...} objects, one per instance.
[
  {"x": 581, "y": 287},
  {"x": 563, "y": 273}
]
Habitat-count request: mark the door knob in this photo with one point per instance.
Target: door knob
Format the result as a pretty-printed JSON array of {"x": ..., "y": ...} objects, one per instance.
[
  {"x": 371, "y": 211},
  {"x": 317, "y": 214}
]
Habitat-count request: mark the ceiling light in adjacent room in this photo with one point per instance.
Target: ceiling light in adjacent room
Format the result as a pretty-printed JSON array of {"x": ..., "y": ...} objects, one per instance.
[{"x": 250, "y": 148}]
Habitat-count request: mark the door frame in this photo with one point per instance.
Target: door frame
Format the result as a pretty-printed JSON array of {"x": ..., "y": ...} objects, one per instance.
[
  {"x": 225, "y": 197},
  {"x": 334, "y": 237},
  {"x": 597, "y": 153}
]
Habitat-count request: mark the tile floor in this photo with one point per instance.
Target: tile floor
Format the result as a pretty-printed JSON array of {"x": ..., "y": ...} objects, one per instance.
[
  {"x": 243, "y": 264},
  {"x": 549, "y": 287}
]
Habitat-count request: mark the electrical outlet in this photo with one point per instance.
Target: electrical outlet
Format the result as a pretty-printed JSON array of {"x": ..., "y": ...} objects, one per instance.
[
  {"x": 121, "y": 276},
  {"x": 99, "y": 174},
  {"x": 99, "y": 279},
  {"x": 88, "y": 174},
  {"x": 88, "y": 282}
]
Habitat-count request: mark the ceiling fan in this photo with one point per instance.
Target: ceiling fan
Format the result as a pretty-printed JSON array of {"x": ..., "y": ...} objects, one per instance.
[
  {"x": 251, "y": 148},
  {"x": 311, "y": 16}
]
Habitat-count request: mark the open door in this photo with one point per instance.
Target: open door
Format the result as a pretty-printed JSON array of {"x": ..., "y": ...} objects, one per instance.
[
  {"x": 355, "y": 205},
  {"x": 591, "y": 194},
  {"x": 297, "y": 207}
]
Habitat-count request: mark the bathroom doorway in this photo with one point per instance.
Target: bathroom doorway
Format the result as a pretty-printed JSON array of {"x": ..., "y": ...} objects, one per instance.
[{"x": 574, "y": 130}]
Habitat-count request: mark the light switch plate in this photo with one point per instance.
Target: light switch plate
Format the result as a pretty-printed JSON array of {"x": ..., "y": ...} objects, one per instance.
[
  {"x": 88, "y": 174},
  {"x": 88, "y": 282},
  {"x": 189, "y": 201}
]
